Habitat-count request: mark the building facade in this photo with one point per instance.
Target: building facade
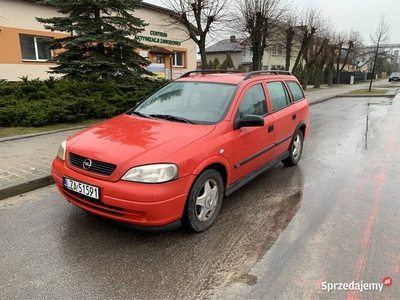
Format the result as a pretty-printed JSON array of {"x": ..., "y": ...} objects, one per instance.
[
  {"x": 22, "y": 52},
  {"x": 237, "y": 48},
  {"x": 274, "y": 57}
]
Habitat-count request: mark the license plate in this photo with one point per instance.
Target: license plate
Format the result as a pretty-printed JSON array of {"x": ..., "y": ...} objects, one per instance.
[{"x": 81, "y": 188}]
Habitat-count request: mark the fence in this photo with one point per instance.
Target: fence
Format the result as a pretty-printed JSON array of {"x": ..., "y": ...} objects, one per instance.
[{"x": 358, "y": 77}]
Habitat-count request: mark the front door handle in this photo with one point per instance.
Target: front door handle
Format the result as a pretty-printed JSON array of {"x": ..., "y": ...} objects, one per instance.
[
  {"x": 270, "y": 128},
  {"x": 294, "y": 117}
]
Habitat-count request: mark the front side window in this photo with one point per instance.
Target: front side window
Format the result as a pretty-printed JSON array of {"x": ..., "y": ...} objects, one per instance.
[
  {"x": 178, "y": 59},
  {"x": 34, "y": 47},
  {"x": 197, "y": 102},
  {"x": 279, "y": 95},
  {"x": 296, "y": 90},
  {"x": 253, "y": 102}
]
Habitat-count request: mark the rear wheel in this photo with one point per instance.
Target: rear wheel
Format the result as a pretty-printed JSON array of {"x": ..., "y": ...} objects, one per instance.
[
  {"x": 204, "y": 201},
  {"x": 295, "y": 149}
]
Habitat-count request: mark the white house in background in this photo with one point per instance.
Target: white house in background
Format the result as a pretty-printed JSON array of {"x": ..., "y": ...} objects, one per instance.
[
  {"x": 22, "y": 54},
  {"x": 241, "y": 54}
]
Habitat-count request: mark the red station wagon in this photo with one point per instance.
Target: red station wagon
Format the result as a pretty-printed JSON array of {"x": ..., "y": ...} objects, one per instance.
[{"x": 176, "y": 155}]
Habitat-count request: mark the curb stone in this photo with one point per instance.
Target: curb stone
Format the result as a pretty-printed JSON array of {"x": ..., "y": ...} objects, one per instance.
[
  {"x": 24, "y": 136},
  {"x": 25, "y": 187}
]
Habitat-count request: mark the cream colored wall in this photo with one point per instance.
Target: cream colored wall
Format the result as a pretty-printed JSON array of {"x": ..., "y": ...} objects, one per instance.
[
  {"x": 274, "y": 60},
  {"x": 236, "y": 58},
  {"x": 21, "y": 14},
  {"x": 17, "y": 16},
  {"x": 162, "y": 23},
  {"x": 13, "y": 72},
  {"x": 221, "y": 57}
]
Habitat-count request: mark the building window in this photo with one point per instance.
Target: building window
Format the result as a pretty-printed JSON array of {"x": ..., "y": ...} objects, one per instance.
[
  {"x": 34, "y": 47},
  {"x": 178, "y": 58},
  {"x": 276, "y": 50},
  {"x": 159, "y": 59}
]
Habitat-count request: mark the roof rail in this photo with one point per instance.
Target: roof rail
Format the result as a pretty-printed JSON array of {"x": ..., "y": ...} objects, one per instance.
[
  {"x": 210, "y": 72},
  {"x": 276, "y": 72}
]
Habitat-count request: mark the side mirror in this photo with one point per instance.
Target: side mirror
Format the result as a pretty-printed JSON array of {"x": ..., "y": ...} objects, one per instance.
[{"x": 251, "y": 121}]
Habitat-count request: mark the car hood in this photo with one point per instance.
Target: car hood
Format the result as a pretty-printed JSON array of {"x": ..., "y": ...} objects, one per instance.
[{"x": 128, "y": 141}]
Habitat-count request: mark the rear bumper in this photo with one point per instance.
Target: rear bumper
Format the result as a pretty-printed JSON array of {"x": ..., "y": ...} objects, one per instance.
[{"x": 151, "y": 207}]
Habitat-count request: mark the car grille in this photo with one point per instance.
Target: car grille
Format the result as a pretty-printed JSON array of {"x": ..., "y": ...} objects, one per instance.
[{"x": 98, "y": 167}]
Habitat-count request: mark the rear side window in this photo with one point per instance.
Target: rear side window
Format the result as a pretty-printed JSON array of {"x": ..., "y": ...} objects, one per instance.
[
  {"x": 296, "y": 90},
  {"x": 279, "y": 95}
]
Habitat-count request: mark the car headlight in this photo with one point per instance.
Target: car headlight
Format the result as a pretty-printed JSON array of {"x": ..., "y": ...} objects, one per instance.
[
  {"x": 61, "y": 150},
  {"x": 155, "y": 173}
]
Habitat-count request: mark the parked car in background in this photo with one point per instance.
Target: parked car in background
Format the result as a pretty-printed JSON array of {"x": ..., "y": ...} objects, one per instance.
[
  {"x": 394, "y": 77},
  {"x": 176, "y": 155}
]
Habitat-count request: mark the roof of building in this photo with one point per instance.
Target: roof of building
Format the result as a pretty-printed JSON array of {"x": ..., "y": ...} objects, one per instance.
[
  {"x": 160, "y": 50},
  {"x": 227, "y": 45}
]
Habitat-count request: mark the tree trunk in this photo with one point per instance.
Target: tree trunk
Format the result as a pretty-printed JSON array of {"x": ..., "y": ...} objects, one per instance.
[
  {"x": 319, "y": 68},
  {"x": 330, "y": 75},
  {"x": 299, "y": 56},
  {"x": 257, "y": 58},
  {"x": 203, "y": 56},
  {"x": 338, "y": 62},
  {"x": 288, "y": 56},
  {"x": 289, "y": 42},
  {"x": 373, "y": 67},
  {"x": 347, "y": 55},
  {"x": 306, "y": 77}
]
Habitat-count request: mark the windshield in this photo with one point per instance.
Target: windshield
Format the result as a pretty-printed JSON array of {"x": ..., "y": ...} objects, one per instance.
[
  {"x": 195, "y": 102},
  {"x": 395, "y": 75}
]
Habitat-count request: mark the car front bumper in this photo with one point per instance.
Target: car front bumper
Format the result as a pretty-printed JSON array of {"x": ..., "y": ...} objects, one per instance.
[{"x": 144, "y": 206}]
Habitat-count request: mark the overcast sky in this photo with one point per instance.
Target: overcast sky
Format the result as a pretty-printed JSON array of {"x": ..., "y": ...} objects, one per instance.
[{"x": 359, "y": 15}]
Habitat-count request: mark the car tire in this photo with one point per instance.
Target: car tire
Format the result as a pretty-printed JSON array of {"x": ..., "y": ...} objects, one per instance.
[
  {"x": 204, "y": 201},
  {"x": 295, "y": 149}
]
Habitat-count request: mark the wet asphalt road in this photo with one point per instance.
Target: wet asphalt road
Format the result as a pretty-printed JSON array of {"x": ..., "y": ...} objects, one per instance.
[{"x": 333, "y": 218}]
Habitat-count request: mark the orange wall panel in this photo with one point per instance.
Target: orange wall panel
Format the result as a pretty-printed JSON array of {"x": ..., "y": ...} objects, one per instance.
[{"x": 10, "y": 49}]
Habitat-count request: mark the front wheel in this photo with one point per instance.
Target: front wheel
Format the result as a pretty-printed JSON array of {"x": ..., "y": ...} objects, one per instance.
[
  {"x": 295, "y": 149},
  {"x": 204, "y": 201}
]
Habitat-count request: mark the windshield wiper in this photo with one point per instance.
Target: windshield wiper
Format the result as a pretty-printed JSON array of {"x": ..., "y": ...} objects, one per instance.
[
  {"x": 139, "y": 114},
  {"x": 171, "y": 118}
]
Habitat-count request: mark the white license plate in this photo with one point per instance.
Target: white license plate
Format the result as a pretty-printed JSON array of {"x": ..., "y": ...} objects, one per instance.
[{"x": 81, "y": 188}]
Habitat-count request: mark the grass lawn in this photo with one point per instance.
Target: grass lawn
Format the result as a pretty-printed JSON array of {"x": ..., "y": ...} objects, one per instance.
[
  {"x": 366, "y": 92},
  {"x": 12, "y": 131}
]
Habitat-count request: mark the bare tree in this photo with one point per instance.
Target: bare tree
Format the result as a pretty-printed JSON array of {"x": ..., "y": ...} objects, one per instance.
[
  {"x": 380, "y": 36},
  {"x": 312, "y": 20},
  {"x": 291, "y": 35},
  {"x": 332, "y": 56},
  {"x": 260, "y": 19},
  {"x": 354, "y": 39},
  {"x": 324, "y": 46},
  {"x": 200, "y": 18}
]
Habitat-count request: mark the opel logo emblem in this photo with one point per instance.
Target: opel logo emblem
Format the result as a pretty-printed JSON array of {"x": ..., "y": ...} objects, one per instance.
[{"x": 87, "y": 163}]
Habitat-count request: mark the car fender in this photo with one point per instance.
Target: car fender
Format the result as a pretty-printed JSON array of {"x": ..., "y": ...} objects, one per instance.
[
  {"x": 208, "y": 162},
  {"x": 302, "y": 123}
]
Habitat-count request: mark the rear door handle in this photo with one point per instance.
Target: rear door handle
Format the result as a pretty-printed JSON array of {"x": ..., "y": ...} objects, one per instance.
[
  {"x": 294, "y": 117},
  {"x": 270, "y": 128}
]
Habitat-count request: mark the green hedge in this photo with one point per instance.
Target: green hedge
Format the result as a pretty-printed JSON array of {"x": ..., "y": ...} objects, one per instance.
[{"x": 34, "y": 103}]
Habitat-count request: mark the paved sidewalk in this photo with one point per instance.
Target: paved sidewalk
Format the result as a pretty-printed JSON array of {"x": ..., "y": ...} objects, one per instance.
[{"x": 25, "y": 162}]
